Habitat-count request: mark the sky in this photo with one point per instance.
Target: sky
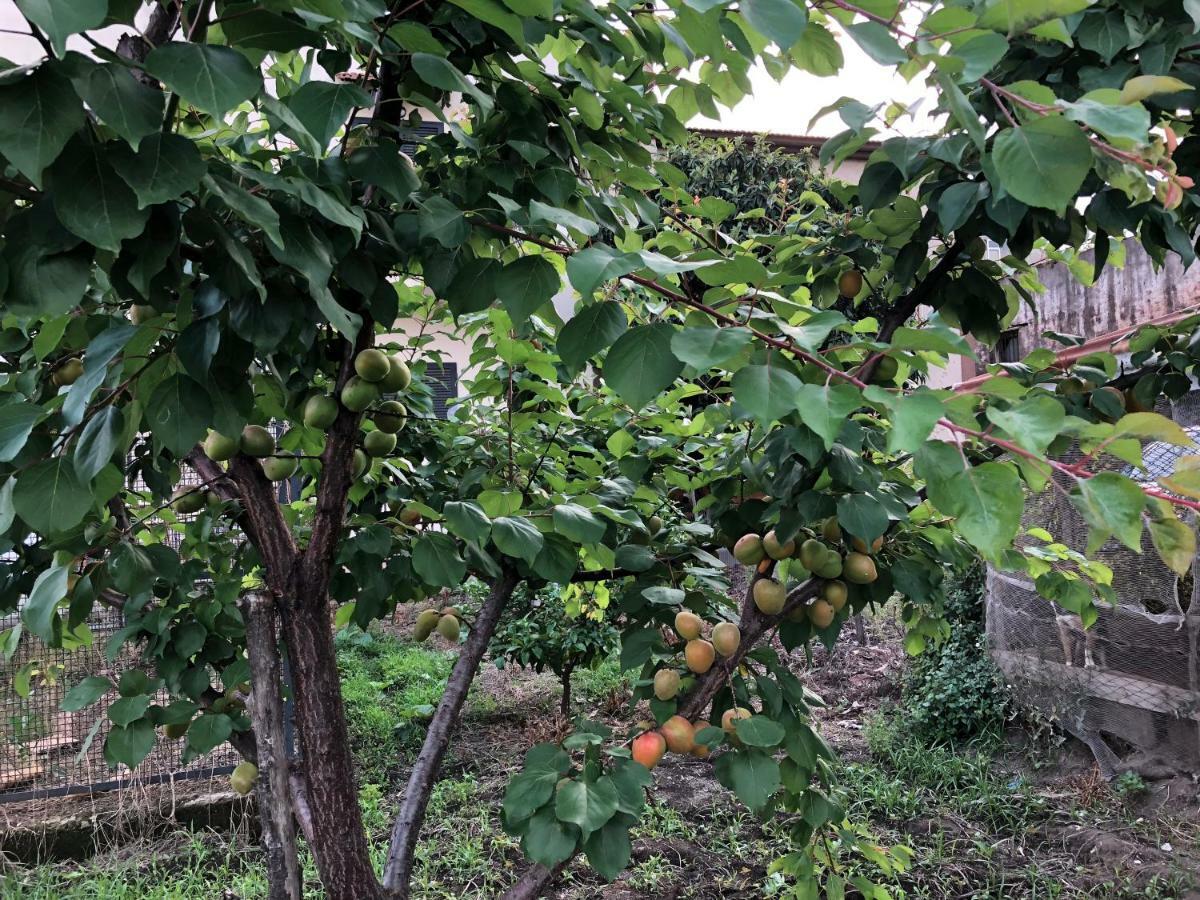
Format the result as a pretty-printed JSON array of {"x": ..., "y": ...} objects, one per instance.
[{"x": 783, "y": 108}]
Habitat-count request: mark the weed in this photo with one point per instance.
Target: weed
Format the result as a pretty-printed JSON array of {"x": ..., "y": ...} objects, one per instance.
[{"x": 1128, "y": 785}]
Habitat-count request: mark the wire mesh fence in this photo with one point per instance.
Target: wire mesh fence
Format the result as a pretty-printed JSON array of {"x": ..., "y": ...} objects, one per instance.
[{"x": 1131, "y": 681}]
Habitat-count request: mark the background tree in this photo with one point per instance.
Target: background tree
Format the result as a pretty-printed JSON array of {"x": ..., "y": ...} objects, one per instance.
[{"x": 203, "y": 238}]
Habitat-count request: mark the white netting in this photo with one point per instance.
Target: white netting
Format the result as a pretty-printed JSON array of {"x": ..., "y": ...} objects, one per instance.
[{"x": 1131, "y": 682}]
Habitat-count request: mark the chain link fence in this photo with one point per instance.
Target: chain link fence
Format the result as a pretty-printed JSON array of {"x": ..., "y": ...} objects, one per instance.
[{"x": 1128, "y": 686}]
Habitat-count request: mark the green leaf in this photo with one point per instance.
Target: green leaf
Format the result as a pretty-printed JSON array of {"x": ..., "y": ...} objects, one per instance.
[
  {"x": 1032, "y": 423},
  {"x": 98, "y": 442},
  {"x": 123, "y": 103},
  {"x": 525, "y": 285},
  {"x": 961, "y": 109},
  {"x": 608, "y": 849},
  {"x": 1115, "y": 122},
  {"x": 1149, "y": 426},
  {"x": 517, "y": 537},
  {"x": 1043, "y": 163},
  {"x": 782, "y": 21},
  {"x": 165, "y": 167},
  {"x": 862, "y": 515},
  {"x": 16, "y": 424},
  {"x": 640, "y": 365},
  {"x": 759, "y": 731},
  {"x": 877, "y": 42},
  {"x": 979, "y": 55},
  {"x": 130, "y": 744},
  {"x": 547, "y": 840},
  {"x": 323, "y": 107},
  {"x": 825, "y": 408},
  {"x": 986, "y": 499},
  {"x": 766, "y": 392},
  {"x": 813, "y": 331},
  {"x": 1111, "y": 505},
  {"x": 209, "y": 731},
  {"x": 437, "y": 561},
  {"x": 265, "y": 30},
  {"x": 41, "y": 608},
  {"x": 703, "y": 348},
  {"x": 592, "y": 329},
  {"x": 179, "y": 413},
  {"x": 440, "y": 220},
  {"x": 438, "y": 72},
  {"x": 210, "y": 78},
  {"x": 527, "y": 792},
  {"x": 102, "y": 350},
  {"x": 587, "y": 805},
  {"x": 85, "y": 693},
  {"x": 253, "y": 209},
  {"x": 558, "y": 559},
  {"x": 542, "y": 214},
  {"x": 49, "y": 498},
  {"x": 741, "y": 269},
  {"x": 751, "y": 774},
  {"x": 467, "y": 521},
  {"x": 913, "y": 417},
  {"x": 818, "y": 51},
  {"x": 956, "y": 204},
  {"x": 38, "y": 115},
  {"x": 1174, "y": 541},
  {"x": 127, "y": 710},
  {"x": 590, "y": 268},
  {"x": 1017, "y": 16},
  {"x": 92, "y": 200},
  {"x": 1142, "y": 87},
  {"x": 578, "y": 524},
  {"x": 499, "y": 503},
  {"x": 7, "y": 512},
  {"x": 62, "y": 18},
  {"x": 387, "y": 168}
]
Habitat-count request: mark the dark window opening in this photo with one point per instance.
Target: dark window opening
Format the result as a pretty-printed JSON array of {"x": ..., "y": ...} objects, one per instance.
[
  {"x": 443, "y": 382},
  {"x": 1008, "y": 348}
]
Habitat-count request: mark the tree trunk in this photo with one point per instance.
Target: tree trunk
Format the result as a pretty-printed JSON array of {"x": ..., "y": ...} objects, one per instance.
[
  {"x": 339, "y": 841},
  {"x": 564, "y": 708},
  {"x": 860, "y": 630},
  {"x": 407, "y": 827},
  {"x": 266, "y": 711}
]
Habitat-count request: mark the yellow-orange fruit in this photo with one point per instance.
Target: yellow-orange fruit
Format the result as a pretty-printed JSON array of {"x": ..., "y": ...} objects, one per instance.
[
  {"x": 735, "y": 712},
  {"x": 648, "y": 748},
  {"x": 701, "y": 751},
  {"x": 850, "y": 283},
  {"x": 835, "y": 594},
  {"x": 820, "y": 613},
  {"x": 725, "y": 638},
  {"x": 860, "y": 568},
  {"x": 679, "y": 734},
  {"x": 769, "y": 596},
  {"x": 861, "y": 546},
  {"x": 798, "y": 613},
  {"x": 813, "y": 553},
  {"x": 749, "y": 550},
  {"x": 699, "y": 655},
  {"x": 688, "y": 624},
  {"x": 831, "y": 530},
  {"x": 666, "y": 684},
  {"x": 775, "y": 549}
]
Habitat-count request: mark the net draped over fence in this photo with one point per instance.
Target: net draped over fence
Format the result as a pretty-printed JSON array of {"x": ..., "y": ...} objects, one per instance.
[{"x": 1130, "y": 682}]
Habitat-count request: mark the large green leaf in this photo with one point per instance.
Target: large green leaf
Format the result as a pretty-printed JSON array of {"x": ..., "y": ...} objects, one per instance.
[
  {"x": 1111, "y": 505},
  {"x": 38, "y": 115},
  {"x": 165, "y": 167},
  {"x": 592, "y": 329},
  {"x": 578, "y": 524},
  {"x": 1174, "y": 541},
  {"x": 608, "y": 849},
  {"x": 1043, "y": 163},
  {"x": 437, "y": 561},
  {"x": 85, "y": 693},
  {"x": 587, "y": 805},
  {"x": 130, "y": 744},
  {"x": 913, "y": 417},
  {"x": 825, "y": 407},
  {"x": 782, "y": 21},
  {"x": 862, "y": 515},
  {"x": 62, "y": 18},
  {"x": 547, "y": 840},
  {"x": 442, "y": 74},
  {"x": 48, "y": 591},
  {"x": 98, "y": 442},
  {"x": 1031, "y": 423},
  {"x": 440, "y": 220},
  {"x": 208, "y": 732},
  {"x": 322, "y": 107},
  {"x": 986, "y": 500},
  {"x": 751, "y": 774},
  {"x": 92, "y": 200},
  {"x": 766, "y": 392},
  {"x": 590, "y": 268},
  {"x": 703, "y": 348},
  {"x": 213, "y": 79},
  {"x": 467, "y": 520},
  {"x": 179, "y": 413},
  {"x": 123, "y": 103},
  {"x": 1017, "y": 16},
  {"x": 49, "y": 497},
  {"x": 525, "y": 285},
  {"x": 517, "y": 537},
  {"x": 16, "y": 422},
  {"x": 759, "y": 731},
  {"x": 265, "y": 30},
  {"x": 640, "y": 365},
  {"x": 527, "y": 792}
]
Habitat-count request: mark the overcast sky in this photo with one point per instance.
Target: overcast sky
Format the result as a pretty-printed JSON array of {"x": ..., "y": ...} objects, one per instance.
[{"x": 783, "y": 108}]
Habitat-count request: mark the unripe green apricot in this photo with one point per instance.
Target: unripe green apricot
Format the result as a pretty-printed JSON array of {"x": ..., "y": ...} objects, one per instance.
[
  {"x": 320, "y": 411},
  {"x": 391, "y": 416},
  {"x": 358, "y": 394},
  {"x": 219, "y": 448},
  {"x": 749, "y": 550},
  {"x": 243, "y": 777},
  {"x": 280, "y": 468},
  {"x": 372, "y": 365},
  {"x": 398, "y": 377},
  {"x": 379, "y": 443},
  {"x": 257, "y": 441}
]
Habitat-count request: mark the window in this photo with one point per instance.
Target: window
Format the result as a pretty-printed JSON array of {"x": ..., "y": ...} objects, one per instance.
[
  {"x": 443, "y": 381},
  {"x": 1008, "y": 348}
]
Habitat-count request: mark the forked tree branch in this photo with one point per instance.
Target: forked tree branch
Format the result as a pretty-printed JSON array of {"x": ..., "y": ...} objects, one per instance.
[{"x": 407, "y": 827}]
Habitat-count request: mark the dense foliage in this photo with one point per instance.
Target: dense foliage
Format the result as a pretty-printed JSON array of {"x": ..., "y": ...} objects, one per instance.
[{"x": 211, "y": 229}]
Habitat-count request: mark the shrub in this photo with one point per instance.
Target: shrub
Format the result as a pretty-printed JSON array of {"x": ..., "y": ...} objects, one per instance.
[{"x": 953, "y": 691}]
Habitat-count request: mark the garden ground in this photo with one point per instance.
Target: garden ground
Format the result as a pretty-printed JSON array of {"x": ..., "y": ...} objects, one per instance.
[{"x": 1025, "y": 816}]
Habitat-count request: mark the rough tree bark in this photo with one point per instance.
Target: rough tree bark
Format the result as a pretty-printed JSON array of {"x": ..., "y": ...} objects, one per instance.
[
  {"x": 564, "y": 706},
  {"x": 272, "y": 792},
  {"x": 753, "y": 625},
  {"x": 407, "y": 826}
]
